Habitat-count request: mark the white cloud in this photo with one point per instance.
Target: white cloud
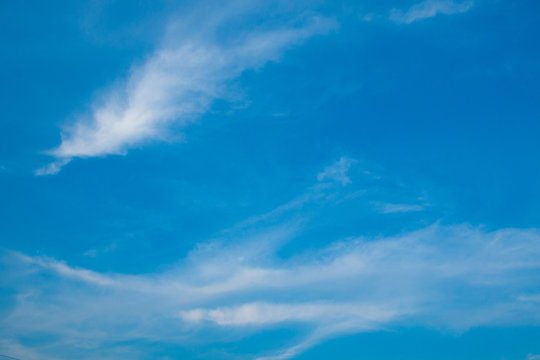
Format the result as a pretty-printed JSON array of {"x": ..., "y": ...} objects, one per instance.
[
  {"x": 53, "y": 168},
  {"x": 337, "y": 171},
  {"x": 267, "y": 313},
  {"x": 429, "y": 8},
  {"x": 330, "y": 319},
  {"x": 387, "y": 208},
  {"x": 178, "y": 83},
  {"x": 351, "y": 286},
  {"x": 239, "y": 284}
]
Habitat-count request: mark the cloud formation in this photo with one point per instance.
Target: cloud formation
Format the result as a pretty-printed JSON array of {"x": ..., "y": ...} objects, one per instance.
[
  {"x": 266, "y": 313},
  {"x": 179, "y": 82},
  {"x": 337, "y": 171},
  {"x": 429, "y": 8},
  {"x": 350, "y": 286},
  {"x": 238, "y": 283}
]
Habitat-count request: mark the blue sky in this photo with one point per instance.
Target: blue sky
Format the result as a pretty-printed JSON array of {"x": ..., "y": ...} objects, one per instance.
[{"x": 270, "y": 180}]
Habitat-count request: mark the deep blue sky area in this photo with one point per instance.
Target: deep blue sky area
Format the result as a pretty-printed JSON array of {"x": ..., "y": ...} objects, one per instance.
[{"x": 270, "y": 180}]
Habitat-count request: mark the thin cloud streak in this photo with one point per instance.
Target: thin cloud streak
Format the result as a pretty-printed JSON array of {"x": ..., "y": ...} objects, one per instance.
[
  {"x": 428, "y": 9},
  {"x": 266, "y": 313},
  {"x": 387, "y": 208}
]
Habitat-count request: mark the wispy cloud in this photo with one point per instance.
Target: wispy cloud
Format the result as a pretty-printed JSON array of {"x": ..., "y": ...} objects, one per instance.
[
  {"x": 54, "y": 167},
  {"x": 534, "y": 298},
  {"x": 241, "y": 284},
  {"x": 350, "y": 286},
  {"x": 337, "y": 171},
  {"x": 267, "y": 313},
  {"x": 429, "y": 8},
  {"x": 179, "y": 82},
  {"x": 11, "y": 347},
  {"x": 336, "y": 174},
  {"x": 387, "y": 208},
  {"x": 328, "y": 319}
]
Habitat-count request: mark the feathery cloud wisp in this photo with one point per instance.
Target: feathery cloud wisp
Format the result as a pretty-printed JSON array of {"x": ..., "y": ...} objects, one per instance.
[
  {"x": 337, "y": 171},
  {"x": 175, "y": 86},
  {"x": 241, "y": 284},
  {"x": 429, "y": 8},
  {"x": 351, "y": 286},
  {"x": 387, "y": 208}
]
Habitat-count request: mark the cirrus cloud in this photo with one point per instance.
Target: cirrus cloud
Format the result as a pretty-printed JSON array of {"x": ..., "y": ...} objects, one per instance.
[
  {"x": 428, "y": 9},
  {"x": 179, "y": 82}
]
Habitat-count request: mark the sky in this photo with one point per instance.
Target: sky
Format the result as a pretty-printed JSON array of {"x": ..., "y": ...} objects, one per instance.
[{"x": 270, "y": 180}]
